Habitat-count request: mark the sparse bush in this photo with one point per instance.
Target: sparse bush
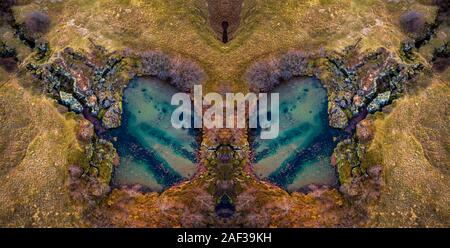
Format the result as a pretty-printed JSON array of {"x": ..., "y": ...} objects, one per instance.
[
  {"x": 6, "y": 4},
  {"x": 5, "y": 10},
  {"x": 264, "y": 75},
  {"x": 441, "y": 64},
  {"x": 443, "y": 4},
  {"x": 184, "y": 74},
  {"x": 37, "y": 22},
  {"x": 443, "y": 11},
  {"x": 293, "y": 64},
  {"x": 155, "y": 64},
  {"x": 412, "y": 22},
  {"x": 9, "y": 64},
  {"x": 180, "y": 72}
]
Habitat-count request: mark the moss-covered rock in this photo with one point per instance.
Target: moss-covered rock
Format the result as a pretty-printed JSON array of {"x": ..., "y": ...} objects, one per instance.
[
  {"x": 102, "y": 160},
  {"x": 346, "y": 160}
]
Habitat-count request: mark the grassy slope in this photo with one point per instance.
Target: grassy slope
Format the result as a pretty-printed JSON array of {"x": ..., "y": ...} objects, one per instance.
[
  {"x": 34, "y": 150},
  {"x": 413, "y": 144}
]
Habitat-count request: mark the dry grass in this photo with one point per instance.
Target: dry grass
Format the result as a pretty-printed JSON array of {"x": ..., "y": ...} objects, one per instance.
[
  {"x": 268, "y": 27},
  {"x": 34, "y": 150},
  {"x": 413, "y": 144}
]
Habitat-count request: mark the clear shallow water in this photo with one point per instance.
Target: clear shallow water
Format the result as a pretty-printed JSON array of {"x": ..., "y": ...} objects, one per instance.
[
  {"x": 301, "y": 154},
  {"x": 153, "y": 153}
]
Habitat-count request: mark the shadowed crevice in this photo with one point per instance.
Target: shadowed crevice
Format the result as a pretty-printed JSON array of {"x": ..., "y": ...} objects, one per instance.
[
  {"x": 225, "y": 31},
  {"x": 224, "y": 18}
]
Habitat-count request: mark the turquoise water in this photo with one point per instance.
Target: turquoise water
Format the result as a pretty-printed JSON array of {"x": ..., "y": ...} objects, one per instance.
[
  {"x": 301, "y": 154},
  {"x": 153, "y": 153}
]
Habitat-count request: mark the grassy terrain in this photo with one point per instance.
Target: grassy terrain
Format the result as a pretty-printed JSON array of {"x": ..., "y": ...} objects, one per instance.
[
  {"x": 35, "y": 146},
  {"x": 413, "y": 144},
  {"x": 268, "y": 27}
]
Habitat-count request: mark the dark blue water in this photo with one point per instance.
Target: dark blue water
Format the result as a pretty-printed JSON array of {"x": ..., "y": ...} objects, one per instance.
[{"x": 300, "y": 156}]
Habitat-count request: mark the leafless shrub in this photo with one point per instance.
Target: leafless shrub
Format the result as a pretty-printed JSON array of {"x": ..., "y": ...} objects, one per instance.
[
  {"x": 412, "y": 22},
  {"x": 37, "y": 22},
  {"x": 156, "y": 64},
  {"x": 9, "y": 64},
  {"x": 184, "y": 74},
  {"x": 293, "y": 64},
  {"x": 6, "y": 4},
  {"x": 264, "y": 75}
]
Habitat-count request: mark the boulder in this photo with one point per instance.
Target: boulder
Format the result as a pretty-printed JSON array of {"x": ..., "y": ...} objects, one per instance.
[
  {"x": 112, "y": 116},
  {"x": 364, "y": 130},
  {"x": 71, "y": 102},
  {"x": 105, "y": 98},
  {"x": 81, "y": 85},
  {"x": 380, "y": 101},
  {"x": 338, "y": 118},
  {"x": 85, "y": 130},
  {"x": 358, "y": 101}
]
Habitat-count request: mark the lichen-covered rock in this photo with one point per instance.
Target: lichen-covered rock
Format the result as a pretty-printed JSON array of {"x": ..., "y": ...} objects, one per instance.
[
  {"x": 105, "y": 99},
  {"x": 71, "y": 102},
  {"x": 380, "y": 101},
  {"x": 112, "y": 116},
  {"x": 85, "y": 130},
  {"x": 441, "y": 57},
  {"x": 81, "y": 84},
  {"x": 364, "y": 186},
  {"x": 365, "y": 130},
  {"x": 85, "y": 188},
  {"x": 91, "y": 102},
  {"x": 42, "y": 50},
  {"x": 87, "y": 80},
  {"x": 338, "y": 118},
  {"x": 407, "y": 49},
  {"x": 358, "y": 102}
]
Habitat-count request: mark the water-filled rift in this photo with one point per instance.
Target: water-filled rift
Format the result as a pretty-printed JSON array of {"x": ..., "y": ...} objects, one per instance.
[
  {"x": 153, "y": 153},
  {"x": 300, "y": 156}
]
